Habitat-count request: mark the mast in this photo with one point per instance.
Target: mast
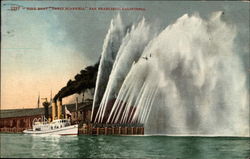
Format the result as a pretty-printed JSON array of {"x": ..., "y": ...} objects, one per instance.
[
  {"x": 50, "y": 96},
  {"x": 38, "y": 100}
]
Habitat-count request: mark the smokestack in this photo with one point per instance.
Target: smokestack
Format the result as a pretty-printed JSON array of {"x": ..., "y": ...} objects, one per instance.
[
  {"x": 46, "y": 111},
  {"x": 38, "y": 101},
  {"x": 53, "y": 110},
  {"x": 59, "y": 108},
  {"x": 76, "y": 108},
  {"x": 83, "y": 97},
  {"x": 46, "y": 108}
]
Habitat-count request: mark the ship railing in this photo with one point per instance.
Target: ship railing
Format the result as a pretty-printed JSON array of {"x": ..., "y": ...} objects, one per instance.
[{"x": 39, "y": 121}]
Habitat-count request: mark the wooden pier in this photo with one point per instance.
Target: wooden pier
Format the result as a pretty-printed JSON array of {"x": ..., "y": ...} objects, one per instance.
[
  {"x": 88, "y": 130},
  {"x": 111, "y": 130}
]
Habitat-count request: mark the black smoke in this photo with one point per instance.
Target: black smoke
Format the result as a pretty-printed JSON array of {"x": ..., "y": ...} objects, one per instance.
[{"x": 86, "y": 79}]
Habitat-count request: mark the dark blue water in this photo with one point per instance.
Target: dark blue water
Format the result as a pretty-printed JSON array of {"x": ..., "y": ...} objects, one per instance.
[{"x": 21, "y": 145}]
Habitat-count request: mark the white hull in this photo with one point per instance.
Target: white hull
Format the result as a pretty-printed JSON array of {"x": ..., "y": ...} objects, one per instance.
[{"x": 69, "y": 130}]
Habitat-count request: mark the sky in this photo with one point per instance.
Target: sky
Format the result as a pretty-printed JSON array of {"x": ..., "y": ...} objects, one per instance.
[{"x": 42, "y": 50}]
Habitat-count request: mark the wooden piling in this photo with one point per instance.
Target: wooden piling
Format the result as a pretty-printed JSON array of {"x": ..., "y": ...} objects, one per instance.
[
  {"x": 97, "y": 131},
  {"x": 89, "y": 131},
  {"x": 102, "y": 131},
  {"x": 126, "y": 130},
  {"x": 106, "y": 131},
  {"x": 119, "y": 131}
]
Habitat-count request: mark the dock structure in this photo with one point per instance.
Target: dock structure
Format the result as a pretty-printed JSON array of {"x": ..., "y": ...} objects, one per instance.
[
  {"x": 112, "y": 129},
  {"x": 17, "y": 120}
]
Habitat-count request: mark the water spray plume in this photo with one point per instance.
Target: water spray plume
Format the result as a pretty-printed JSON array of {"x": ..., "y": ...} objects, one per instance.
[{"x": 186, "y": 79}]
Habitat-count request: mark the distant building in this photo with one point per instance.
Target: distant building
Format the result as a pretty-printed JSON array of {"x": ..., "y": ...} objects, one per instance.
[{"x": 17, "y": 120}]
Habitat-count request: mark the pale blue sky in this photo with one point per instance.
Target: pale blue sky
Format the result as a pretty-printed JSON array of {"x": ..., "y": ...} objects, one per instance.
[{"x": 42, "y": 50}]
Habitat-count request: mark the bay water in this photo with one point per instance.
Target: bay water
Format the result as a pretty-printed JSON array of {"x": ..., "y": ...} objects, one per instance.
[{"x": 85, "y": 146}]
